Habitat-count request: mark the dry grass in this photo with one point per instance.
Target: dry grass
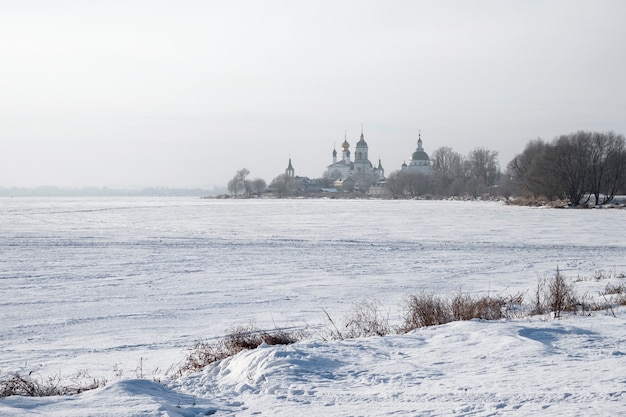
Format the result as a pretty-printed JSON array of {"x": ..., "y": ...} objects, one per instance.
[
  {"x": 366, "y": 319},
  {"x": 614, "y": 289},
  {"x": 467, "y": 307},
  {"x": 540, "y": 201},
  {"x": 424, "y": 310},
  {"x": 602, "y": 274},
  {"x": 615, "y": 294},
  {"x": 34, "y": 386},
  {"x": 556, "y": 295},
  {"x": 238, "y": 339}
]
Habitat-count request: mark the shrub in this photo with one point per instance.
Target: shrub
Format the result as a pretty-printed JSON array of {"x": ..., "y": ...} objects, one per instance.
[
  {"x": 425, "y": 310},
  {"x": 466, "y": 307},
  {"x": 28, "y": 386},
  {"x": 366, "y": 319},
  {"x": 249, "y": 337},
  {"x": 238, "y": 339},
  {"x": 561, "y": 295},
  {"x": 430, "y": 310},
  {"x": 614, "y": 289},
  {"x": 555, "y": 295}
]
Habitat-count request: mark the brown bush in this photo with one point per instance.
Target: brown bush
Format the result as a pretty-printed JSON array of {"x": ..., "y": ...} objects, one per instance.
[
  {"x": 238, "y": 339},
  {"x": 424, "y": 310},
  {"x": 466, "y": 307},
  {"x": 555, "y": 295},
  {"x": 29, "y": 386},
  {"x": 613, "y": 289}
]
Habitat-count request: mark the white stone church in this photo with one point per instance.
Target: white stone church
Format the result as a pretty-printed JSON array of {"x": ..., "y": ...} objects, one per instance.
[
  {"x": 360, "y": 172},
  {"x": 420, "y": 161},
  {"x": 360, "y": 169}
]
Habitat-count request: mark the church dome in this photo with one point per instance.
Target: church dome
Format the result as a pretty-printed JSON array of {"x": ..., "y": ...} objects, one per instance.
[
  {"x": 420, "y": 156},
  {"x": 361, "y": 143},
  {"x": 345, "y": 145}
]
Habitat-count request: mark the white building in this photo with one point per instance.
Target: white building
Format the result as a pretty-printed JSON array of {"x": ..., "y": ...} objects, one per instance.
[
  {"x": 420, "y": 162},
  {"x": 361, "y": 170}
]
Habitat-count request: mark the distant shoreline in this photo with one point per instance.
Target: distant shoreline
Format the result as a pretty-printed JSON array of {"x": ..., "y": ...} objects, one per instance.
[{"x": 53, "y": 191}]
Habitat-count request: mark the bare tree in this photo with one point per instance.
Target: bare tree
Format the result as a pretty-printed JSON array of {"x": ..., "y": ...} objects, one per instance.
[
  {"x": 567, "y": 162},
  {"x": 396, "y": 184},
  {"x": 447, "y": 166},
  {"x": 616, "y": 177},
  {"x": 606, "y": 171},
  {"x": 574, "y": 166},
  {"x": 237, "y": 185},
  {"x": 417, "y": 183},
  {"x": 481, "y": 171},
  {"x": 284, "y": 185},
  {"x": 255, "y": 186},
  {"x": 526, "y": 168},
  {"x": 483, "y": 165}
]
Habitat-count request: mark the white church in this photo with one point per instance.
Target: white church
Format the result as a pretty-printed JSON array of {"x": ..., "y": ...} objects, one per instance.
[
  {"x": 349, "y": 173},
  {"x": 361, "y": 169},
  {"x": 420, "y": 161}
]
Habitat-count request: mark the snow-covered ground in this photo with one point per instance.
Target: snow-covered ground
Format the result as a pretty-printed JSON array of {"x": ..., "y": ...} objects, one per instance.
[{"x": 122, "y": 288}]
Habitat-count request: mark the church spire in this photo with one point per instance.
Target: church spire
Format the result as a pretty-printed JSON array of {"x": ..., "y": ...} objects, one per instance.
[{"x": 290, "y": 172}]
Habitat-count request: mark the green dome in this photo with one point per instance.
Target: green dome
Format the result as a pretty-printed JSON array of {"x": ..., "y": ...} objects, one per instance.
[{"x": 420, "y": 156}]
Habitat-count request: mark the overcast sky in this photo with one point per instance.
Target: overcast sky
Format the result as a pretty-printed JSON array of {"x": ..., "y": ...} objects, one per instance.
[{"x": 184, "y": 93}]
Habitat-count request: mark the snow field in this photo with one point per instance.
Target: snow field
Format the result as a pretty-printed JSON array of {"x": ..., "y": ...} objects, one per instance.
[{"x": 121, "y": 289}]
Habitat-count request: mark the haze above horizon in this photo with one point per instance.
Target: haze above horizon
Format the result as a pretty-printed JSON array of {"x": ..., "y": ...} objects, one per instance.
[{"x": 183, "y": 94}]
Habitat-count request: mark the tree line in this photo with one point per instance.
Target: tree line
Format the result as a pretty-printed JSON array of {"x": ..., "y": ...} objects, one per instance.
[
  {"x": 240, "y": 185},
  {"x": 452, "y": 174},
  {"x": 582, "y": 167}
]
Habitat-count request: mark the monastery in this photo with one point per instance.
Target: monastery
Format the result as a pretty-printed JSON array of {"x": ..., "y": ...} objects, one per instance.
[{"x": 360, "y": 172}]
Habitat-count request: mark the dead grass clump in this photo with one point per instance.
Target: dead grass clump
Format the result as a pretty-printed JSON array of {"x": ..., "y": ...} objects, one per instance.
[
  {"x": 238, "y": 339},
  {"x": 556, "y": 295},
  {"x": 424, "y": 310},
  {"x": 620, "y": 299},
  {"x": 602, "y": 274},
  {"x": 614, "y": 294},
  {"x": 614, "y": 289},
  {"x": 250, "y": 337},
  {"x": 539, "y": 201},
  {"x": 529, "y": 201},
  {"x": 366, "y": 319},
  {"x": 467, "y": 307},
  {"x": 29, "y": 386}
]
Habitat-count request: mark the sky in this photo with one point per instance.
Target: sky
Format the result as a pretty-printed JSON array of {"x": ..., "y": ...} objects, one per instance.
[{"x": 185, "y": 93}]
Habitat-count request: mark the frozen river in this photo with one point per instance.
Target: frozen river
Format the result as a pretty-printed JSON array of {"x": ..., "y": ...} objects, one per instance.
[{"x": 104, "y": 284}]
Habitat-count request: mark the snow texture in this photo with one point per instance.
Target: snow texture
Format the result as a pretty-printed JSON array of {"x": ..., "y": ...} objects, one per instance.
[{"x": 122, "y": 288}]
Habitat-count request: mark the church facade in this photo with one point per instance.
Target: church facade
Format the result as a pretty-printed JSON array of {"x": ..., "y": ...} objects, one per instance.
[
  {"x": 360, "y": 169},
  {"x": 420, "y": 161},
  {"x": 350, "y": 171}
]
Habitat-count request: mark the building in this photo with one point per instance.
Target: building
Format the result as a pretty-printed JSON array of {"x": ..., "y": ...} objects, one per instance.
[
  {"x": 419, "y": 162},
  {"x": 349, "y": 172},
  {"x": 360, "y": 170},
  {"x": 290, "y": 172}
]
